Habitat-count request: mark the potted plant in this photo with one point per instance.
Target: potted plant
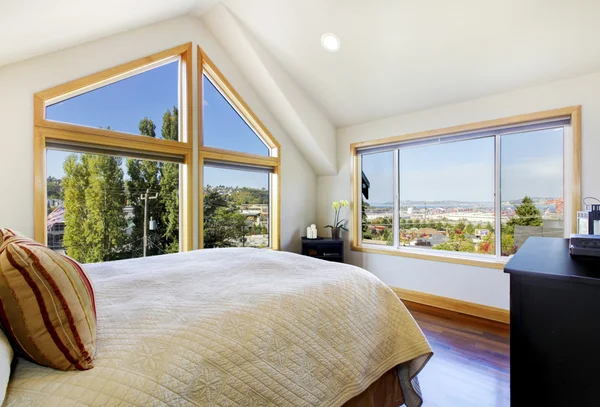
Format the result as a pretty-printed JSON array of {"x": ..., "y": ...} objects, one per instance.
[{"x": 337, "y": 223}]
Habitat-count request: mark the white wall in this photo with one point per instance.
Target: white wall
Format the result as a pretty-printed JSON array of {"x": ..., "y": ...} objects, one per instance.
[
  {"x": 19, "y": 82},
  {"x": 475, "y": 284}
]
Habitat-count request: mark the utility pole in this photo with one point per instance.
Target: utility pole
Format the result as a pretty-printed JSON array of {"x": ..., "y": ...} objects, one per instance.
[{"x": 146, "y": 197}]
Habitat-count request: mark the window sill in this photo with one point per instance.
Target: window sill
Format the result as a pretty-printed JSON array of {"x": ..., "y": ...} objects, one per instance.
[{"x": 474, "y": 261}]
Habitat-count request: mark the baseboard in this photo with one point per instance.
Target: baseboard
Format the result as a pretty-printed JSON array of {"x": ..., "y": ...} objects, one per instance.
[{"x": 451, "y": 304}]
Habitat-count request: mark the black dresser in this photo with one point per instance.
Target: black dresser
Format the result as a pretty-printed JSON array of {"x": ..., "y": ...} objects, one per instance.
[
  {"x": 554, "y": 326},
  {"x": 324, "y": 248}
]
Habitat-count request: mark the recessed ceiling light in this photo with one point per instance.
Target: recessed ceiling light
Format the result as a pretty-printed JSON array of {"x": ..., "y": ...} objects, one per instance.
[{"x": 330, "y": 42}]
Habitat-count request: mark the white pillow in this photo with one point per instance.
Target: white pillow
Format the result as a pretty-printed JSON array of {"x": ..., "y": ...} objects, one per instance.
[{"x": 6, "y": 357}]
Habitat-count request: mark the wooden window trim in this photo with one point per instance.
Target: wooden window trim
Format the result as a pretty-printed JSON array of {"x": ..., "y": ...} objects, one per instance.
[
  {"x": 574, "y": 112},
  {"x": 205, "y": 65},
  {"x": 47, "y": 130}
]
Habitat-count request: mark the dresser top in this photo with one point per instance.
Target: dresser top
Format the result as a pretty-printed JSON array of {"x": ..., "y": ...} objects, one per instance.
[{"x": 549, "y": 257}]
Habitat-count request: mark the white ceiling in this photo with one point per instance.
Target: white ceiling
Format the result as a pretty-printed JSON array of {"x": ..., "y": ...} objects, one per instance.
[
  {"x": 396, "y": 55},
  {"x": 34, "y": 27},
  {"x": 405, "y": 55}
]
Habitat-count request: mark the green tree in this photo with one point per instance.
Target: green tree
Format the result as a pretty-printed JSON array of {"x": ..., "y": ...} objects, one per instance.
[
  {"x": 94, "y": 201},
  {"x": 526, "y": 214},
  {"x": 508, "y": 244},
  {"x": 470, "y": 229},
  {"x": 104, "y": 199},
  {"x": 54, "y": 188},
  {"x": 75, "y": 183},
  {"x": 466, "y": 246},
  {"x": 223, "y": 224}
]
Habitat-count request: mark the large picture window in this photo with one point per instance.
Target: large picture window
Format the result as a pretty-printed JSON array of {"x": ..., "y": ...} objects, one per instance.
[
  {"x": 114, "y": 163},
  {"x": 472, "y": 195}
]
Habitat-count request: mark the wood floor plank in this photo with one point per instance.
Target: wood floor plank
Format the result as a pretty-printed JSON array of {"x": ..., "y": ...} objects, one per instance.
[{"x": 471, "y": 364}]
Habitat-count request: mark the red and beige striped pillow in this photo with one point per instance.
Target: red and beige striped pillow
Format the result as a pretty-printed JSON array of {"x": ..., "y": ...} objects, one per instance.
[
  {"x": 47, "y": 306},
  {"x": 7, "y": 233}
]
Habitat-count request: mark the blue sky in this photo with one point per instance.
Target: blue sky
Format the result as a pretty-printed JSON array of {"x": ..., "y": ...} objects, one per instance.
[
  {"x": 123, "y": 104},
  {"x": 531, "y": 164}
]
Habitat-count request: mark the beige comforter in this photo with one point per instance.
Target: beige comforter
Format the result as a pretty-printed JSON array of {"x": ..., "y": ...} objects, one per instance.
[{"x": 232, "y": 327}]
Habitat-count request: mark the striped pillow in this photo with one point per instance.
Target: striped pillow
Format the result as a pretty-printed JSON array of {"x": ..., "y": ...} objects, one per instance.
[
  {"x": 47, "y": 307},
  {"x": 7, "y": 233}
]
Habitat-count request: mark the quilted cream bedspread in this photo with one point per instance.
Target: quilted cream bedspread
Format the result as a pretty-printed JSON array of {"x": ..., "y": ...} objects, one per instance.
[{"x": 232, "y": 327}]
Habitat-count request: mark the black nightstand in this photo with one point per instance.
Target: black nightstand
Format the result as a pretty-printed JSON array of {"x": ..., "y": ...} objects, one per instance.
[{"x": 324, "y": 248}]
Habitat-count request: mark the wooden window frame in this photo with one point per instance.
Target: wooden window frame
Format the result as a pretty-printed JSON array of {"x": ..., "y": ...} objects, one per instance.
[
  {"x": 73, "y": 134},
  {"x": 205, "y": 65},
  {"x": 573, "y": 112}
]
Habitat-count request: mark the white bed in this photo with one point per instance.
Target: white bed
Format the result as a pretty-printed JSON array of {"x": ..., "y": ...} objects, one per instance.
[{"x": 232, "y": 327}]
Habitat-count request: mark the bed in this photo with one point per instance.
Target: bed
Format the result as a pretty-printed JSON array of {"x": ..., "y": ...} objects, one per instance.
[{"x": 237, "y": 327}]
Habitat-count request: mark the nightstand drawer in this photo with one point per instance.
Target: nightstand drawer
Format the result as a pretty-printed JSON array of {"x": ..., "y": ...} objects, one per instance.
[{"x": 324, "y": 248}]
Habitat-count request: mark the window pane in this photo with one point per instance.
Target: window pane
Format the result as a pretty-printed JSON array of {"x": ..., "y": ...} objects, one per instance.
[
  {"x": 223, "y": 127},
  {"x": 378, "y": 198},
  {"x": 136, "y": 105},
  {"x": 236, "y": 208},
  {"x": 447, "y": 196},
  {"x": 531, "y": 187},
  {"x": 96, "y": 206}
]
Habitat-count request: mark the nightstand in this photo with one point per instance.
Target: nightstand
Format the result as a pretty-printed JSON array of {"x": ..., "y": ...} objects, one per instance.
[{"x": 324, "y": 248}]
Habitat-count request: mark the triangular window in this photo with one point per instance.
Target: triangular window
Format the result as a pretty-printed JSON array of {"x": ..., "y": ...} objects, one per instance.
[{"x": 224, "y": 127}]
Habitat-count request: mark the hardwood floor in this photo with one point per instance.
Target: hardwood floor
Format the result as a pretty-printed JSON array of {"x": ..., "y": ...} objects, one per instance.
[{"x": 470, "y": 367}]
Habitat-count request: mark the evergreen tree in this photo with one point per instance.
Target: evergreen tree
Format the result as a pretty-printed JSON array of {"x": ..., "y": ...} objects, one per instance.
[
  {"x": 105, "y": 225},
  {"x": 75, "y": 183},
  {"x": 526, "y": 214}
]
